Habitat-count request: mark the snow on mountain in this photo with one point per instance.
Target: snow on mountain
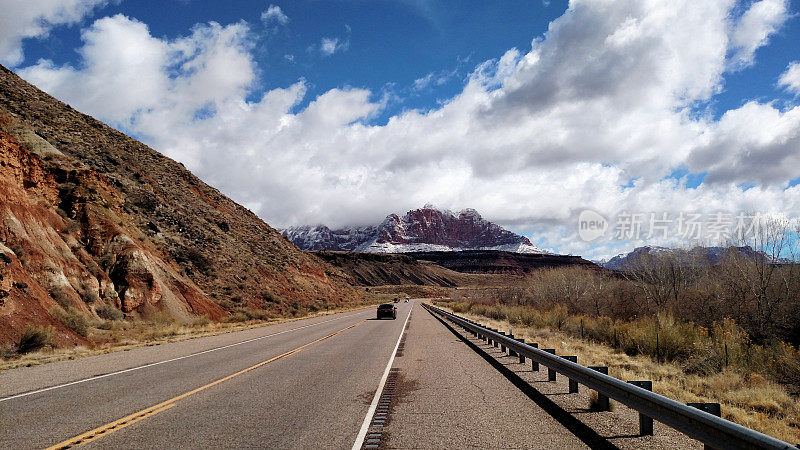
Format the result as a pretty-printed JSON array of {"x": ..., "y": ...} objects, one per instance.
[
  {"x": 695, "y": 256},
  {"x": 419, "y": 230}
]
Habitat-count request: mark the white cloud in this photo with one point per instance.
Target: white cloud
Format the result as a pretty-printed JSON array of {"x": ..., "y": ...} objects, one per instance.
[
  {"x": 126, "y": 78},
  {"x": 434, "y": 79},
  {"x": 35, "y": 18},
  {"x": 274, "y": 14},
  {"x": 424, "y": 82},
  {"x": 753, "y": 29},
  {"x": 752, "y": 144},
  {"x": 330, "y": 45},
  {"x": 112, "y": 43},
  {"x": 790, "y": 80},
  {"x": 605, "y": 96}
]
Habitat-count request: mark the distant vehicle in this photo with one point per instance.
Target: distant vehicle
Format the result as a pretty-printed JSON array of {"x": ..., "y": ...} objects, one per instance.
[
  {"x": 388, "y": 310},
  {"x": 406, "y": 299}
]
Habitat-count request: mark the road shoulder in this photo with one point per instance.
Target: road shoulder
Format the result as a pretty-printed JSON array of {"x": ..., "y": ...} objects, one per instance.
[{"x": 447, "y": 396}]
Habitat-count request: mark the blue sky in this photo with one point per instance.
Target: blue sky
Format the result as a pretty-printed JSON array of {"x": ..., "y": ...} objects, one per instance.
[
  {"x": 340, "y": 112},
  {"x": 390, "y": 45}
]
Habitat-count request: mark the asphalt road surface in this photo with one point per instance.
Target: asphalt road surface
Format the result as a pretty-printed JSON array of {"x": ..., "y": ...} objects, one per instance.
[{"x": 304, "y": 384}]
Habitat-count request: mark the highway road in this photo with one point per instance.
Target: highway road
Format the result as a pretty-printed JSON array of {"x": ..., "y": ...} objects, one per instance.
[
  {"x": 316, "y": 395},
  {"x": 305, "y": 384}
]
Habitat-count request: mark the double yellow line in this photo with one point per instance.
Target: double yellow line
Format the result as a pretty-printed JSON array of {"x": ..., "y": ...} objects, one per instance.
[{"x": 163, "y": 406}]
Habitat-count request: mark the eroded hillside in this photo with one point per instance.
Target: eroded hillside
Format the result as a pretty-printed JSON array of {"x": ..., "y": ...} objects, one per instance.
[{"x": 93, "y": 217}]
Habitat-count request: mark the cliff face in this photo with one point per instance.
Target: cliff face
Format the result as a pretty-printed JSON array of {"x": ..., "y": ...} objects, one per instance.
[
  {"x": 424, "y": 229},
  {"x": 380, "y": 269},
  {"x": 463, "y": 231},
  {"x": 90, "y": 217},
  {"x": 69, "y": 244},
  {"x": 499, "y": 262}
]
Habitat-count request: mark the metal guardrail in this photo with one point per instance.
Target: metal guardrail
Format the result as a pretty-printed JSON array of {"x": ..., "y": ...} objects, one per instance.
[{"x": 707, "y": 428}]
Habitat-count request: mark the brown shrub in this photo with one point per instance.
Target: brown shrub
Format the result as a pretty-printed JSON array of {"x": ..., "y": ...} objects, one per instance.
[{"x": 34, "y": 338}]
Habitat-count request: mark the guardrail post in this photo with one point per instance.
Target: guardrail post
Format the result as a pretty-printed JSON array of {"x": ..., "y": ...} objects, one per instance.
[
  {"x": 551, "y": 374},
  {"x": 602, "y": 401},
  {"x": 511, "y": 352},
  {"x": 496, "y": 344},
  {"x": 645, "y": 423},
  {"x": 685, "y": 418},
  {"x": 534, "y": 364},
  {"x": 521, "y": 357},
  {"x": 573, "y": 385},
  {"x": 711, "y": 408}
]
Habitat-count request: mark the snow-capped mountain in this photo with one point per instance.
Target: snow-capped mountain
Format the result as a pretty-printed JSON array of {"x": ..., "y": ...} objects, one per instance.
[
  {"x": 419, "y": 230},
  {"x": 697, "y": 256}
]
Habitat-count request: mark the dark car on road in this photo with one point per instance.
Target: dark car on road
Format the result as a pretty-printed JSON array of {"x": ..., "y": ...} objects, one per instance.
[{"x": 387, "y": 310}]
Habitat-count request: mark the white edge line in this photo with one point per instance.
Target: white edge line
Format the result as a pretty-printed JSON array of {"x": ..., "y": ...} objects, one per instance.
[
  {"x": 362, "y": 433},
  {"x": 97, "y": 377}
]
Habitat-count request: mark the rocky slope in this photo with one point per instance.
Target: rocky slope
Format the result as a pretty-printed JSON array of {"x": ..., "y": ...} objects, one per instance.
[
  {"x": 377, "y": 269},
  {"x": 424, "y": 229},
  {"x": 90, "y": 217},
  {"x": 697, "y": 256},
  {"x": 499, "y": 262}
]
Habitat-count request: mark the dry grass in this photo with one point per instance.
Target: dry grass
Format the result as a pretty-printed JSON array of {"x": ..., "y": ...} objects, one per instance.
[
  {"x": 749, "y": 400},
  {"x": 116, "y": 335}
]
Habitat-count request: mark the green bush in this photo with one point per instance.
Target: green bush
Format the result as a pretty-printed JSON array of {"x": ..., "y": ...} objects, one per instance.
[
  {"x": 108, "y": 312},
  {"x": 269, "y": 297},
  {"x": 34, "y": 338},
  {"x": 72, "y": 319},
  {"x": 61, "y": 297}
]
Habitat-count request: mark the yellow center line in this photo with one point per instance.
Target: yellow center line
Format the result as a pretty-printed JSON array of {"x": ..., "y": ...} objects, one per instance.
[{"x": 163, "y": 406}]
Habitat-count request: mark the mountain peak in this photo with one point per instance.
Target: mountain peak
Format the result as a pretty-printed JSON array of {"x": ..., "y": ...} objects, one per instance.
[
  {"x": 469, "y": 212},
  {"x": 425, "y": 229},
  {"x": 697, "y": 255}
]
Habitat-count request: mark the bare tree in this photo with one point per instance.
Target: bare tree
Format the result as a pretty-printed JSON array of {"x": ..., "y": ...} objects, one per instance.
[
  {"x": 661, "y": 276},
  {"x": 762, "y": 281}
]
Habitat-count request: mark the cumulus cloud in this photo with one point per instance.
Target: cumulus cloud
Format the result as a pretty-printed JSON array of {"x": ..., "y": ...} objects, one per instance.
[
  {"x": 790, "y": 80},
  {"x": 35, "y": 18},
  {"x": 752, "y": 144},
  {"x": 597, "y": 113},
  {"x": 753, "y": 29},
  {"x": 126, "y": 75},
  {"x": 274, "y": 15},
  {"x": 112, "y": 43}
]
